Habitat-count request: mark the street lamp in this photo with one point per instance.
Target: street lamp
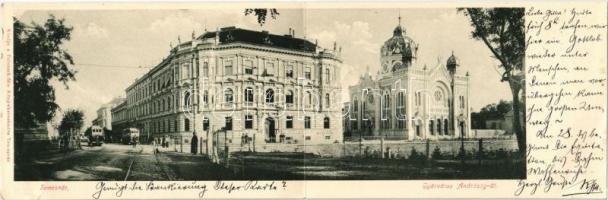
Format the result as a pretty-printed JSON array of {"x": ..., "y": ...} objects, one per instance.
[{"x": 461, "y": 120}]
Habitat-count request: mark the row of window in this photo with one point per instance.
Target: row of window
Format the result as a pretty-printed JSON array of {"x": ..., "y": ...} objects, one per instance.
[
  {"x": 166, "y": 79},
  {"x": 400, "y": 98},
  {"x": 435, "y": 126},
  {"x": 269, "y": 70},
  {"x": 228, "y": 123},
  {"x": 269, "y": 96},
  {"x": 164, "y": 104},
  {"x": 157, "y": 84}
]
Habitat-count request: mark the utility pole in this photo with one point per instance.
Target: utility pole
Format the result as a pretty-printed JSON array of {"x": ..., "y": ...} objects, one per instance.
[{"x": 463, "y": 154}]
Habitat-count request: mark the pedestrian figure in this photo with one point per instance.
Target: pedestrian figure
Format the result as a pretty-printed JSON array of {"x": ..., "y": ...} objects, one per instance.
[{"x": 154, "y": 145}]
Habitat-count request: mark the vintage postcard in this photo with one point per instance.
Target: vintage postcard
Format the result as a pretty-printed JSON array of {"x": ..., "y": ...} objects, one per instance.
[{"x": 303, "y": 100}]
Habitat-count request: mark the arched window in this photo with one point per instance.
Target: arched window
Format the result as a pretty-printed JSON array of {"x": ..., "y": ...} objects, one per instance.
[
  {"x": 432, "y": 127},
  {"x": 326, "y": 76},
  {"x": 386, "y": 102},
  {"x": 269, "y": 96},
  {"x": 445, "y": 127},
  {"x": 248, "y": 94},
  {"x": 187, "y": 101},
  {"x": 439, "y": 127},
  {"x": 401, "y": 111},
  {"x": 327, "y": 102},
  {"x": 289, "y": 97},
  {"x": 228, "y": 95},
  {"x": 326, "y": 123}
]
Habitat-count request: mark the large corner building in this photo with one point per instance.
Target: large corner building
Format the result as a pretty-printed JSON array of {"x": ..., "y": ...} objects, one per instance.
[{"x": 260, "y": 86}]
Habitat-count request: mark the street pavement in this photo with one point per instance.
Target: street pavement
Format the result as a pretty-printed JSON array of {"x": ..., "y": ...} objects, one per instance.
[{"x": 117, "y": 162}]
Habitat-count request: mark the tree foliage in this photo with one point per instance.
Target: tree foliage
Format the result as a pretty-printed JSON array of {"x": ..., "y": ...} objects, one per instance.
[
  {"x": 72, "y": 120},
  {"x": 490, "y": 112},
  {"x": 502, "y": 31},
  {"x": 38, "y": 59},
  {"x": 262, "y": 14}
]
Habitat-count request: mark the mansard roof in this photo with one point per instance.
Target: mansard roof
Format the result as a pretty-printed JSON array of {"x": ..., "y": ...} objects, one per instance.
[{"x": 232, "y": 34}]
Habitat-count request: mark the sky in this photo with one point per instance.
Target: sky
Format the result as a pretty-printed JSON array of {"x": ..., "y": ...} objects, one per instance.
[{"x": 111, "y": 48}]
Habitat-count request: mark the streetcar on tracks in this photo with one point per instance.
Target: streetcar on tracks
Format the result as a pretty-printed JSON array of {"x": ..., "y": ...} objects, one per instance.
[
  {"x": 97, "y": 136},
  {"x": 130, "y": 136}
]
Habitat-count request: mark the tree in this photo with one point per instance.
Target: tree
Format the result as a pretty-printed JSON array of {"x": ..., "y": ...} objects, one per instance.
[
  {"x": 502, "y": 31},
  {"x": 39, "y": 58},
  {"x": 72, "y": 120},
  {"x": 262, "y": 13},
  {"x": 70, "y": 124},
  {"x": 490, "y": 112}
]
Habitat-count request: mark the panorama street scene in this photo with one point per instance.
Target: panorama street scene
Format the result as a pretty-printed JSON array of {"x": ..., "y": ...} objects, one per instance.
[{"x": 269, "y": 94}]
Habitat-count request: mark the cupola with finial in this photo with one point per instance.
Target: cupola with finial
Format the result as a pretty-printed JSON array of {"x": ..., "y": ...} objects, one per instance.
[
  {"x": 399, "y": 51},
  {"x": 452, "y": 63}
]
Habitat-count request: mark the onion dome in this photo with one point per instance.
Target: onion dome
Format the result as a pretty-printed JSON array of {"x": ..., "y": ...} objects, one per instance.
[
  {"x": 452, "y": 63},
  {"x": 400, "y": 45}
]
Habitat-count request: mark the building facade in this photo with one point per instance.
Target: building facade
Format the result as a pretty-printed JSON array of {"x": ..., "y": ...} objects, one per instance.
[
  {"x": 104, "y": 117},
  {"x": 264, "y": 87},
  {"x": 408, "y": 100},
  {"x": 104, "y": 114}
]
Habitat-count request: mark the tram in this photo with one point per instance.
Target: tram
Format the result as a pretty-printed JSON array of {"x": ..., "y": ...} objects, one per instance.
[
  {"x": 130, "y": 136},
  {"x": 97, "y": 136}
]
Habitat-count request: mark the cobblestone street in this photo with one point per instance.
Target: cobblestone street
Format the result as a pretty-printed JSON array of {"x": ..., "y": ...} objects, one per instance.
[
  {"x": 125, "y": 162},
  {"x": 116, "y": 162}
]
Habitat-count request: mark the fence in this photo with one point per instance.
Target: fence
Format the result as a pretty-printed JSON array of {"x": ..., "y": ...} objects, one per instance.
[{"x": 219, "y": 144}]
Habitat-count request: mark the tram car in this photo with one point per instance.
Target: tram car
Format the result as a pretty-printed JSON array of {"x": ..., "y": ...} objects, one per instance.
[
  {"x": 130, "y": 136},
  {"x": 97, "y": 136}
]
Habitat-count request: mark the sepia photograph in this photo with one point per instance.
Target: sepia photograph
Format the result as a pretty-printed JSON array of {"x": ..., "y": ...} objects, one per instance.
[{"x": 269, "y": 94}]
